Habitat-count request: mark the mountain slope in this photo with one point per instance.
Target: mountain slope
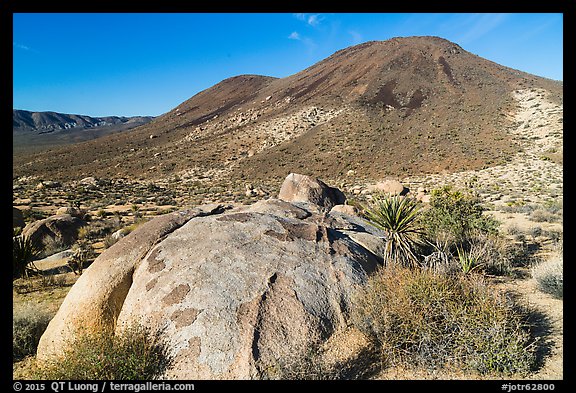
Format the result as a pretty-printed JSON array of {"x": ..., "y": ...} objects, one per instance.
[{"x": 396, "y": 107}]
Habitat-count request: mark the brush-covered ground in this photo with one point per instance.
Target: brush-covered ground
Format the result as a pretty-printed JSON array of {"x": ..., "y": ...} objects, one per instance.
[{"x": 524, "y": 193}]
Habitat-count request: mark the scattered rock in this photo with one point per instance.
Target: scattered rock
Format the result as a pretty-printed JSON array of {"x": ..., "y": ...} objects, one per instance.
[
  {"x": 119, "y": 234},
  {"x": 356, "y": 190},
  {"x": 346, "y": 209},
  {"x": 63, "y": 228},
  {"x": 424, "y": 198},
  {"x": 69, "y": 210},
  {"x": 51, "y": 184},
  {"x": 89, "y": 181},
  {"x": 47, "y": 184},
  {"x": 302, "y": 188},
  {"x": 390, "y": 186}
]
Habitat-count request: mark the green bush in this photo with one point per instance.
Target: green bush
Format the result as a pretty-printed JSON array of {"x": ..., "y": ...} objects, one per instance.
[
  {"x": 396, "y": 216},
  {"x": 136, "y": 354},
  {"x": 455, "y": 214},
  {"x": 425, "y": 320},
  {"x": 28, "y": 324}
]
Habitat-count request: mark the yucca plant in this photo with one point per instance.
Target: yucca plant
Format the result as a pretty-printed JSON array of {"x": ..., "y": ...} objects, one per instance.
[
  {"x": 468, "y": 260},
  {"x": 396, "y": 216},
  {"x": 24, "y": 251}
]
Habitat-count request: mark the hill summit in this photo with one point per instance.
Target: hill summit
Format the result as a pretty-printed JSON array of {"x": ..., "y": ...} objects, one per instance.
[{"x": 382, "y": 108}]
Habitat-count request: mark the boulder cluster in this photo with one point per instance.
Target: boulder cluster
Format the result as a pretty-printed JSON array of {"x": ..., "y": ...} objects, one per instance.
[{"x": 234, "y": 290}]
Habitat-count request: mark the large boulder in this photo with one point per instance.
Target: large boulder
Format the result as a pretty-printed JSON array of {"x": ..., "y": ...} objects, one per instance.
[
  {"x": 235, "y": 292},
  {"x": 62, "y": 228},
  {"x": 302, "y": 188},
  {"x": 73, "y": 211},
  {"x": 17, "y": 218},
  {"x": 389, "y": 186}
]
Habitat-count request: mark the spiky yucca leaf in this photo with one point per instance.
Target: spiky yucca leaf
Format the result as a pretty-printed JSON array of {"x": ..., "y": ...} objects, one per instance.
[
  {"x": 24, "y": 251},
  {"x": 396, "y": 216}
]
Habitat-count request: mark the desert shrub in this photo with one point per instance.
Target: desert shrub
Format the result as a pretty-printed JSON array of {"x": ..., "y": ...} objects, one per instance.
[
  {"x": 24, "y": 251},
  {"x": 302, "y": 366},
  {"x": 31, "y": 215},
  {"x": 425, "y": 320},
  {"x": 82, "y": 253},
  {"x": 109, "y": 241},
  {"x": 456, "y": 214},
  {"x": 513, "y": 230},
  {"x": 138, "y": 353},
  {"x": 521, "y": 253},
  {"x": 311, "y": 365},
  {"x": 549, "y": 276},
  {"x": 52, "y": 246},
  {"x": 98, "y": 229},
  {"x": 396, "y": 216},
  {"x": 541, "y": 215},
  {"x": 439, "y": 258},
  {"x": 28, "y": 324},
  {"x": 489, "y": 253}
]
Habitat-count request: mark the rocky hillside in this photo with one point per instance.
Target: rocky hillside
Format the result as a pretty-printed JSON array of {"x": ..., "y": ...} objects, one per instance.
[{"x": 399, "y": 107}]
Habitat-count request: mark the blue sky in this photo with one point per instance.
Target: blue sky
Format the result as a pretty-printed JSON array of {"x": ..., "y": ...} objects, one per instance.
[{"x": 102, "y": 64}]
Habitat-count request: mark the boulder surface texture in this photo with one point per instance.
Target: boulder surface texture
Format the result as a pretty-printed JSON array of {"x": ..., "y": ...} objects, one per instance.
[
  {"x": 235, "y": 292},
  {"x": 61, "y": 227}
]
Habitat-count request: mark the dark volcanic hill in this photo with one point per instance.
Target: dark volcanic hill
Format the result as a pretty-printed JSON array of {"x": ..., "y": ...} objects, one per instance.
[{"x": 396, "y": 107}]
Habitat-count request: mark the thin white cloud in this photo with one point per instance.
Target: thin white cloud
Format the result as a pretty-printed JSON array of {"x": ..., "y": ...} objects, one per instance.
[
  {"x": 313, "y": 20},
  {"x": 294, "y": 36},
  {"x": 356, "y": 37},
  {"x": 310, "y": 19},
  {"x": 481, "y": 24},
  {"x": 20, "y": 46},
  {"x": 23, "y": 47},
  {"x": 300, "y": 16},
  {"x": 308, "y": 43}
]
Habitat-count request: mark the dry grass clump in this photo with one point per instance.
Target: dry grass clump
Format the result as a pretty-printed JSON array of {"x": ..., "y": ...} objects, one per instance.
[
  {"x": 28, "y": 324},
  {"x": 549, "y": 274},
  {"x": 136, "y": 354},
  {"x": 313, "y": 364},
  {"x": 432, "y": 321}
]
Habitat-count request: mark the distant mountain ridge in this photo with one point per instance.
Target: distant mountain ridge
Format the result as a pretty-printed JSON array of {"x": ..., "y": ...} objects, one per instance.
[{"x": 47, "y": 122}]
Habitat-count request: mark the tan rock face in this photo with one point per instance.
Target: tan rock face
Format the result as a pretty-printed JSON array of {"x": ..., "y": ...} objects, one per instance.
[
  {"x": 389, "y": 186},
  {"x": 98, "y": 295},
  {"x": 17, "y": 218},
  {"x": 302, "y": 188},
  {"x": 69, "y": 210},
  {"x": 234, "y": 292},
  {"x": 62, "y": 227}
]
